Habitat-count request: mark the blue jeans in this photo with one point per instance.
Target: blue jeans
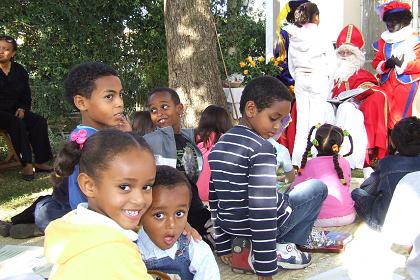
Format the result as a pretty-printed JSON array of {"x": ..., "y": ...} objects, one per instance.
[
  {"x": 47, "y": 210},
  {"x": 305, "y": 199}
]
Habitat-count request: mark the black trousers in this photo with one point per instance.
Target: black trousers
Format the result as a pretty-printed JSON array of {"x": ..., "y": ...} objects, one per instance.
[{"x": 31, "y": 131}]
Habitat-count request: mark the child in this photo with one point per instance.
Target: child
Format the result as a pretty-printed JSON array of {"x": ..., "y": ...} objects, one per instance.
[
  {"x": 214, "y": 121},
  {"x": 243, "y": 197},
  {"x": 311, "y": 64},
  {"x": 95, "y": 241},
  {"x": 285, "y": 171},
  {"x": 176, "y": 147},
  {"x": 142, "y": 123},
  {"x": 96, "y": 91},
  {"x": 373, "y": 197},
  {"x": 161, "y": 243},
  {"x": 334, "y": 171}
]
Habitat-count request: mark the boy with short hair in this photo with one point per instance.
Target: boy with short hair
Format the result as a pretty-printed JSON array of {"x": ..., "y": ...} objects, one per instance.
[
  {"x": 161, "y": 243},
  {"x": 175, "y": 146},
  {"x": 243, "y": 198},
  {"x": 95, "y": 90}
]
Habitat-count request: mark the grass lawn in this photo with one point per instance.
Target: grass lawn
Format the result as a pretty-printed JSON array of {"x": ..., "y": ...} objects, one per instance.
[{"x": 16, "y": 194}]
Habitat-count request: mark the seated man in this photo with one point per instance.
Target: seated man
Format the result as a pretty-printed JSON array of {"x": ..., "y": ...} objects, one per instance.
[
  {"x": 364, "y": 115},
  {"x": 26, "y": 129}
]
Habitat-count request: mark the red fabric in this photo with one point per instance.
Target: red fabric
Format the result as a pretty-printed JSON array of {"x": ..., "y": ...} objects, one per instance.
[
  {"x": 396, "y": 5},
  {"x": 373, "y": 106},
  {"x": 374, "y": 109},
  {"x": 204, "y": 178},
  {"x": 359, "y": 79},
  {"x": 396, "y": 88},
  {"x": 350, "y": 35},
  {"x": 287, "y": 139}
]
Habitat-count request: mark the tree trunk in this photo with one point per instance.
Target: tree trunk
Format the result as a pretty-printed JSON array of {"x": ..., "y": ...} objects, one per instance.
[{"x": 192, "y": 56}]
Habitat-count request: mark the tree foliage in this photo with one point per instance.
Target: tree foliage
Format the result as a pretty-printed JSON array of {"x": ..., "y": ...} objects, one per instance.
[
  {"x": 241, "y": 33},
  {"x": 127, "y": 34},
  {"x": 57, "y": 34}
]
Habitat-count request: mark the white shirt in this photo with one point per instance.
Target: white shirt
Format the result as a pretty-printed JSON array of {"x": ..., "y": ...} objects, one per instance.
[
  {"x": 310, "y": 51},
  {"x": 203, "y": 264}
]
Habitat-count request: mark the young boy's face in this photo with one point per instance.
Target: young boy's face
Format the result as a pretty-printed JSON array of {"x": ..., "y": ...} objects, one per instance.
[
  {"x": 105, "y": 106},
  {"x": 167, "y": 216},
  {"x": 123, "y": 190},
  {"x": 164, "y": 112},
  {"x": 267, "y": 121}
]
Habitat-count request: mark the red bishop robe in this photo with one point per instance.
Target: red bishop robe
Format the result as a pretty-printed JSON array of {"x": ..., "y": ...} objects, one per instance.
[{"x": 373, "y": 106}]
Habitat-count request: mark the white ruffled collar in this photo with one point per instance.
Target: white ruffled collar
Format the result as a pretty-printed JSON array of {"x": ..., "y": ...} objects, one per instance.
[{"x": 397, "y": 36}]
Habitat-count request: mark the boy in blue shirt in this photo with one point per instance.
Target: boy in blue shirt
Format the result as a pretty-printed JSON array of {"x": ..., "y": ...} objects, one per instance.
[
  {"x": 95, "y": 90},
  {"x": 243, "y": 198}
]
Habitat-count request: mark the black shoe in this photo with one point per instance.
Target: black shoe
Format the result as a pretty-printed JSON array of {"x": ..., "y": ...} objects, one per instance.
[
  {"x": 49, "y": 170},
  {"x": 5, "y": 228},
  {"x": 22, "y": 231},
  {"x": 28, "y": 177}
]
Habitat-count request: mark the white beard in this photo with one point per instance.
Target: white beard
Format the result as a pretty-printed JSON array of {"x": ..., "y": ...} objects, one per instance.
[{"x": 347, "y": 66}]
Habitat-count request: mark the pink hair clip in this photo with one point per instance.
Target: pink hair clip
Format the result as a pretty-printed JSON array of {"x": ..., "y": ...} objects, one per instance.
[{"x": 79, "y": 137}]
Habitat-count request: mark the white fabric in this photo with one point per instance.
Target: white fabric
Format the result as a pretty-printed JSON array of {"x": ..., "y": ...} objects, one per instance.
[
  {"x": 203, "y": 264},
  {"x": 398, "y": 36},
  {"x": 87, "y": 216},
  {"x": 311, "y": 62},
  {"x": 348, "y": 117},
  {"x": 402, "y": 223},
  {"x": 310, "y": 51},
  {"x": 311, "y": 91},
  {"x": 413, "y": 263}
]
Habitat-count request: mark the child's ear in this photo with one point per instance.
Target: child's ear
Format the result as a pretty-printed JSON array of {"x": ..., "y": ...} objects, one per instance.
[
  {"x": 86, "y": 185},
  {"x": 180, "y": 109},
  {"x": 250, "y": 109},
  {"x": 80, "y": 102}
]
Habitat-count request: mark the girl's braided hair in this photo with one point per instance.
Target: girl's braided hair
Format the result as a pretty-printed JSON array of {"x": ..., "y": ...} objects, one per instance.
[{"x": 328, "y": 140}]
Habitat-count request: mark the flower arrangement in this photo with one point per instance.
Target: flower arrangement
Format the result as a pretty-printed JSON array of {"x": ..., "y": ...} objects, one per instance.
[{"x": 253, "y": 67}]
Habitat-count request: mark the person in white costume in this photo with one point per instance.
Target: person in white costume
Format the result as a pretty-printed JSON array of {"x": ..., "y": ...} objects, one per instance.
[{"x": 311, "y": 64}]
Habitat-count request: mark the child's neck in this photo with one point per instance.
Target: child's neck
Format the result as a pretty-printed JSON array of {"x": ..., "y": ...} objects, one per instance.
[
  {"x": 89, "y": 122},
  {"x": 324, "y": 155},
  {"x": 245, "y": 122},
  {"x": 177, "y": 129}
]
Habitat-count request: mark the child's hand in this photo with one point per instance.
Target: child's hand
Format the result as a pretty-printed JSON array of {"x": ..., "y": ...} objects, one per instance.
[
  {"x": 124, "y": 125},
  {"x": 189, "y": 231},
  {"x": 226, "y": 259}
]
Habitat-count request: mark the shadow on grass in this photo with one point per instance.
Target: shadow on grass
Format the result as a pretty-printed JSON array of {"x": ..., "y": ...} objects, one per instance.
[{"x": 14, "y": 187}]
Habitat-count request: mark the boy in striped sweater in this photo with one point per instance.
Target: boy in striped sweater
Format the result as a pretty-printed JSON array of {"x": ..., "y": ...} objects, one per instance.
[{"x": 243, "y": 198}]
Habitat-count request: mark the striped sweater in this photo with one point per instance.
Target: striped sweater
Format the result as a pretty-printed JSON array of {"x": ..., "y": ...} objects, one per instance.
[{"x": 243, "y": 197}]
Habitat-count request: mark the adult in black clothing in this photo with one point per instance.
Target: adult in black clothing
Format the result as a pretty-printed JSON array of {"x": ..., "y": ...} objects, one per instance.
[{"x": 26, "y": 129}]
